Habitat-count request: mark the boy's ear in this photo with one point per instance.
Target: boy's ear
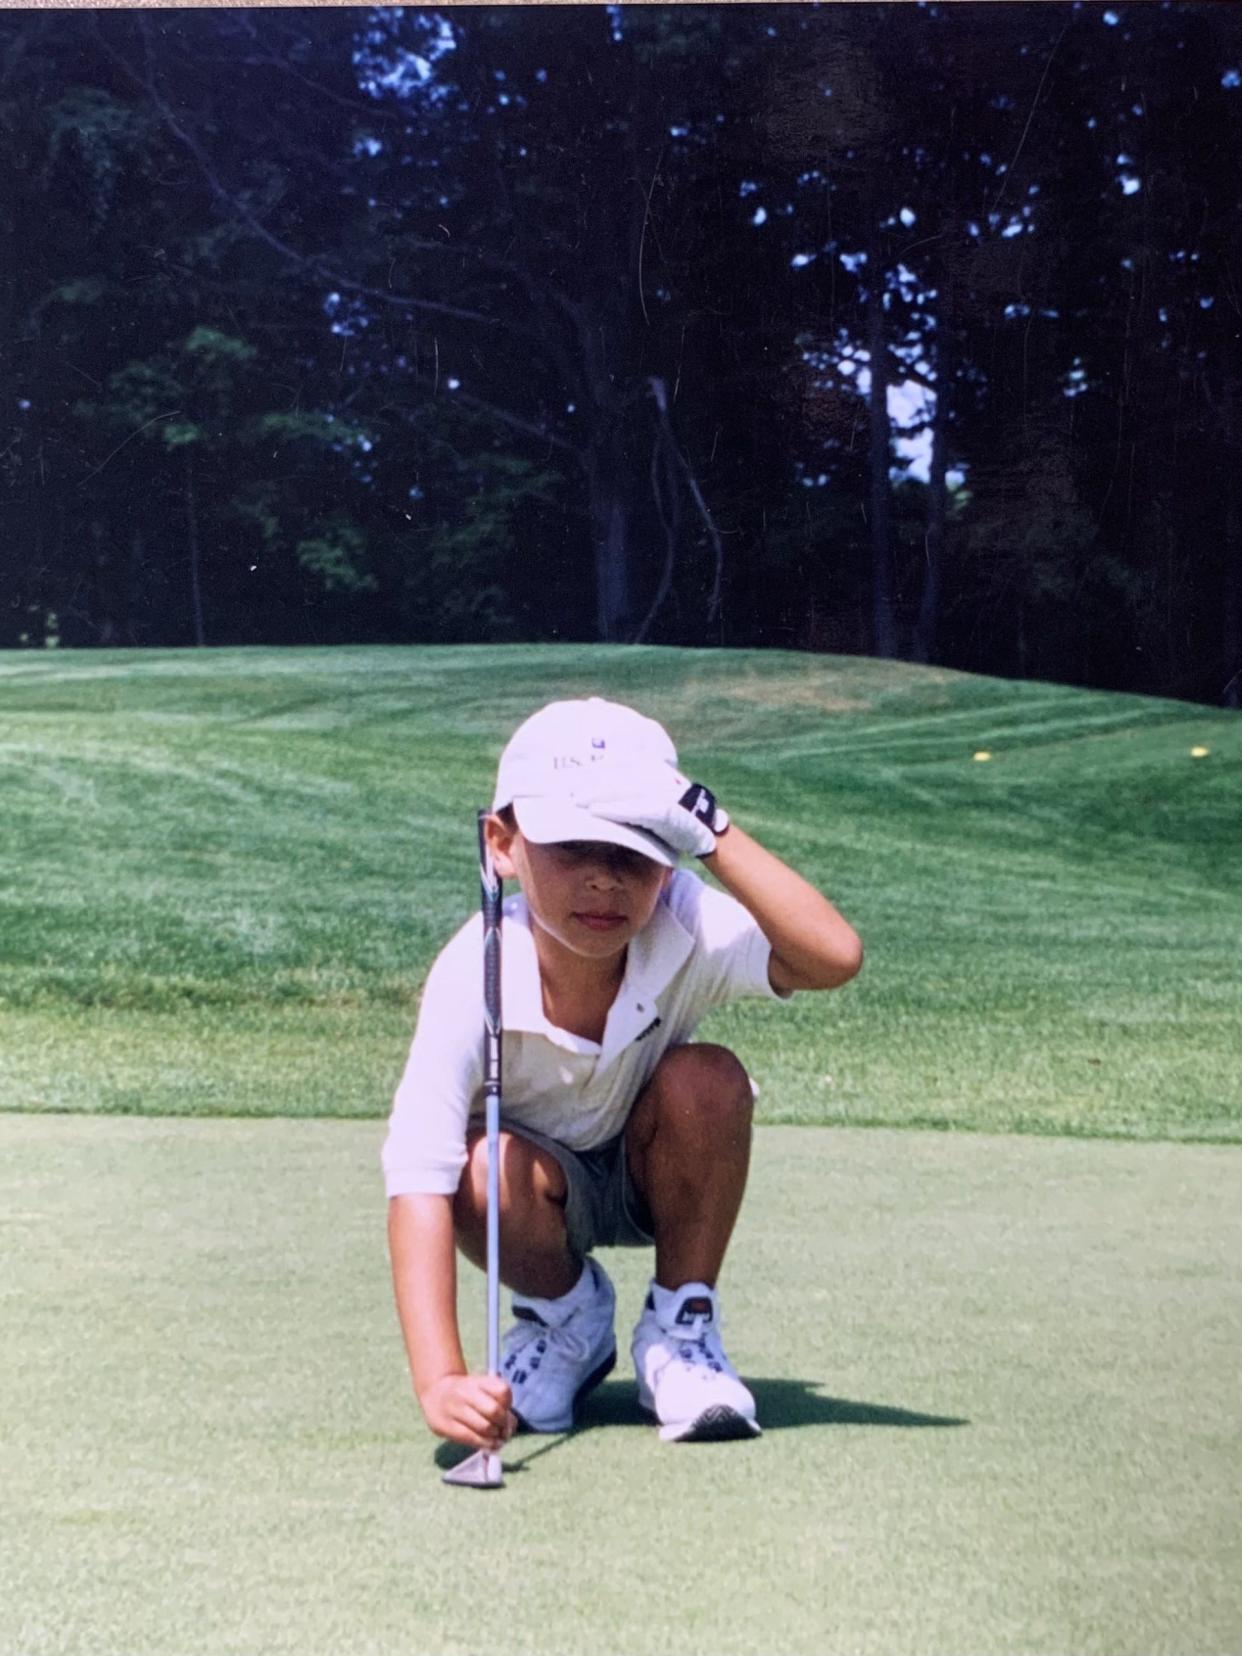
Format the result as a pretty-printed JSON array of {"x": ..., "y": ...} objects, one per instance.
[{"x": 500, "y": 843}]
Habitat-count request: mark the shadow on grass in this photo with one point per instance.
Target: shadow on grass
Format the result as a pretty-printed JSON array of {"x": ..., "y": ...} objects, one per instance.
[
  {"x": 780, "y": 1405},
  {"x": 783, "y": 1403}
]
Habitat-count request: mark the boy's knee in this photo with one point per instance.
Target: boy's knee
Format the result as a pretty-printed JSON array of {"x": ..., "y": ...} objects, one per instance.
[
  {"x": 529, "y": 1176},
  {"x": 704, "y": 1085}
]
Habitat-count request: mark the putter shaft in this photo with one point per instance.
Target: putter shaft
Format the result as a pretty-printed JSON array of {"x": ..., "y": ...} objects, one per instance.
[{"x": 483, "y": 1469}]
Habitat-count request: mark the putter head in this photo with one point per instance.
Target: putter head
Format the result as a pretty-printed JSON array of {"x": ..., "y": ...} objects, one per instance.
[{"x": 478, "y": 1471}]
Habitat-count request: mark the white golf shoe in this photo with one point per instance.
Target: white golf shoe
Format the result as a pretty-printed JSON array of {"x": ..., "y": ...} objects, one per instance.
[
  {"x": 558, "y": 1350},
  {"x": 684, "y": 1378}
]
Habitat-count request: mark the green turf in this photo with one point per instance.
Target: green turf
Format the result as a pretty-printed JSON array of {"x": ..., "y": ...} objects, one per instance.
[
  {"x": 999, "y": 1378},
  {"x": 223, "y": 875}
]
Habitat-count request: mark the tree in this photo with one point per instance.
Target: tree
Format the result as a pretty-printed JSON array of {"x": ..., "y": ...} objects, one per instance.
[{"x": 856, "y": 328}]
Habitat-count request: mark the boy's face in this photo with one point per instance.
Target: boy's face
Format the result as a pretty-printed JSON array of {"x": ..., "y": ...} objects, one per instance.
[{"x": 590, "y": 896}]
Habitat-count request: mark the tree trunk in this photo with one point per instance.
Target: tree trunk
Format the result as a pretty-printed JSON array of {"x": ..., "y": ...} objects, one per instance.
[
  {"x": 134, "y": 586},
  {"x": 884, "y": 629},
  {"x": 937, "y": 502},
  {"x": 1231, "y": 639},
  {"x": 191, "y": 530},
  {"x": 100, "y": 588},
  {"x": 610, "y": 533},
  {"x": 1232, "y": 696},
  {"x": 666, "y": 501}
]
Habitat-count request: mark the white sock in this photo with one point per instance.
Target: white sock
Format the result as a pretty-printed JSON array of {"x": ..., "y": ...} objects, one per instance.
[
  {"x": 665, "y": 1301},
  {"x": 556, "y": 1311}
]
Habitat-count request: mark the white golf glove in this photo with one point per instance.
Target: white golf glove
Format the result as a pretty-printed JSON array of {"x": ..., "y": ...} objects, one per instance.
[{"x": 682, "y": 813}]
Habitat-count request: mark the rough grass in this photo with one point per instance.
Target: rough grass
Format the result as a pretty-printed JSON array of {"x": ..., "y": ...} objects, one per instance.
[{"x": 223, "y": 876}]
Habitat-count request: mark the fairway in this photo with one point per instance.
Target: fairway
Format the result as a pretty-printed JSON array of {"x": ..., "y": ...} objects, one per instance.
[
  {"x": 999, "y": 1377},
  {"x": 224, "y": 874}
]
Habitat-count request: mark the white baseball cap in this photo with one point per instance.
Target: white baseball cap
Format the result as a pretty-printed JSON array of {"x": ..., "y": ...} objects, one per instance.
[{"x": 572, "y": 754}]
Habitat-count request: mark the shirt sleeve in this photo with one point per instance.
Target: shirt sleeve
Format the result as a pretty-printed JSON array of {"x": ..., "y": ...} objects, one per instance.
[
  {"x": 733, "y": 952},
  {"x": 425, "y": 1149}
]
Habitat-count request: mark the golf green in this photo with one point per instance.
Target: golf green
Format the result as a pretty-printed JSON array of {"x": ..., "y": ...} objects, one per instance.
[{"x": 999, "y": 1377}]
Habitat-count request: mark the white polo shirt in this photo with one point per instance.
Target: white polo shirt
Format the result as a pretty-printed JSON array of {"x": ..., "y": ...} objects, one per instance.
[{"x": 699, "y": 949}]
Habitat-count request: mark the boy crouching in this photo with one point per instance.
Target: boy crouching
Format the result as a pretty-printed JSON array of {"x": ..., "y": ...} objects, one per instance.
[{"x": 618, "y": 1128}]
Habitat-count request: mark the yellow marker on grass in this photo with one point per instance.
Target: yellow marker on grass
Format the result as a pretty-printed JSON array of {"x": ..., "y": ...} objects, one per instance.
[
  {"x": 982, "y": 755},
  {"x": 1199, "y": 752}
]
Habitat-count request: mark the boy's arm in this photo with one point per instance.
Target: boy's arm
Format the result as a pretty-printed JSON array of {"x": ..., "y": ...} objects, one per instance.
[
  {"x": 468, "y": 1408},
  {"x": 813, "y": 947}
]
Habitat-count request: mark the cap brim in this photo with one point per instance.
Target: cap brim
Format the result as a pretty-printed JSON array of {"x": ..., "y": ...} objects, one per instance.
[{"x": 553, "y": 821}]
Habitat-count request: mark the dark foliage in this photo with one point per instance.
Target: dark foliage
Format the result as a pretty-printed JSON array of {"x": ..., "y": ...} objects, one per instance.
[{"x": 877, "y": 328}]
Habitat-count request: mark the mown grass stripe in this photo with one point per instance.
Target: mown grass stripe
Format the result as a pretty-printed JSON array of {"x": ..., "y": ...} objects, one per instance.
[{"x": 211, "y": 861}]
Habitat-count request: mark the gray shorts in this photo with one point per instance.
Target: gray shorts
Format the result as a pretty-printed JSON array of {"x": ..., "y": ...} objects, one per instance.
[{"x": 603, "y": 1205}]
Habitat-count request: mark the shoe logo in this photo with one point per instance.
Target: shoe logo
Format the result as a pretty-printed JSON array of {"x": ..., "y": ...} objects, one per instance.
[
  {"x": 692, "y": 1309},
  {"x": 643, "y": 1034}
]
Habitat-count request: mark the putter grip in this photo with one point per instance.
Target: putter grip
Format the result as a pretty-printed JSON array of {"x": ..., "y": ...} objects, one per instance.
[
  {"x": 491, "y": 978},
  {"x": 490, "y": 893}
]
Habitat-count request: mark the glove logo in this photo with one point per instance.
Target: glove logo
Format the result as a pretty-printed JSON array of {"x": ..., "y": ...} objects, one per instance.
[{"x": 700, "y": 802}]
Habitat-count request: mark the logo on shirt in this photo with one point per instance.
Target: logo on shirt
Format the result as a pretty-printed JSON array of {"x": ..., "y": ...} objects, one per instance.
[{"x": 643, "y": 1034}]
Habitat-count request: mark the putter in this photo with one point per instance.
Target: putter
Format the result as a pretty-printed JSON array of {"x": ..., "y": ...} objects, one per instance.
[{"x": 482, "y": 1470}]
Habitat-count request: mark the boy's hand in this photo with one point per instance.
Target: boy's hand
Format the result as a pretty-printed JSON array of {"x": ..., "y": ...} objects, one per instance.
[
  {"x": 682, "y": 813},
  {"x": 474, "y": 1409}
]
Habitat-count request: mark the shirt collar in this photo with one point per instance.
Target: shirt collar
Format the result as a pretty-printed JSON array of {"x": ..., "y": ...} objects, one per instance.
[{"x": 654, "y": 958}]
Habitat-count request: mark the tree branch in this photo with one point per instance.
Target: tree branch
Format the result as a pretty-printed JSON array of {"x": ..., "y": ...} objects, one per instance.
[
  {"x": 313, "y": 265},
  {"x": 527, "y": 427}
]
